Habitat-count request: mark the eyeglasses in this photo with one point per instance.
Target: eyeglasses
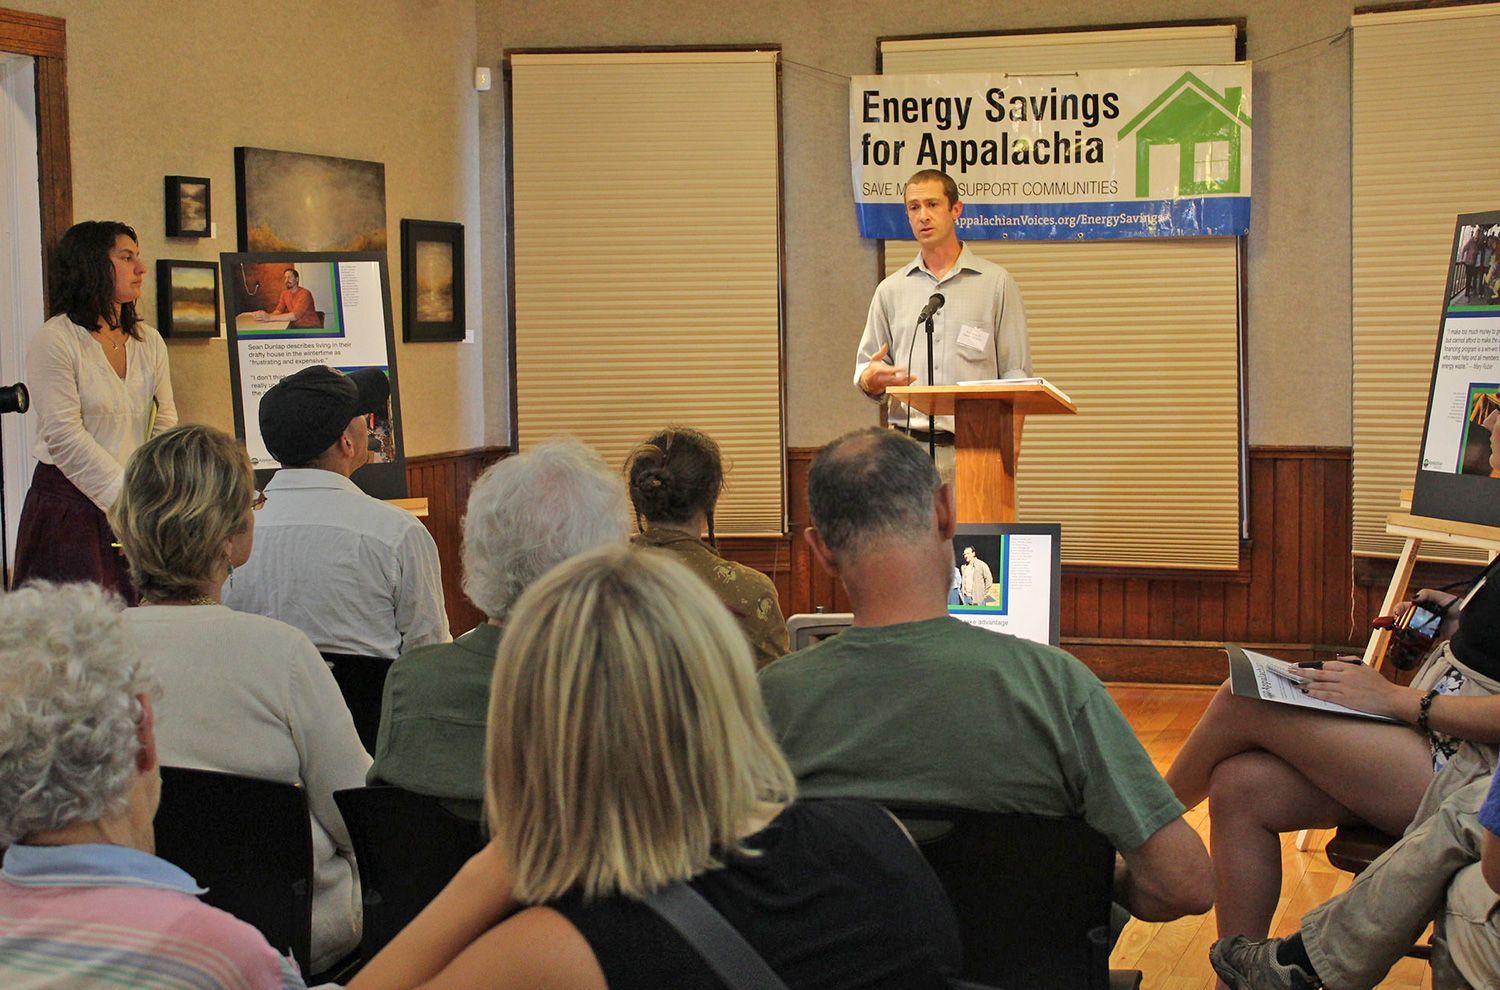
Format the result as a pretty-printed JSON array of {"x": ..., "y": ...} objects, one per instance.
[{"x": 258, "y": 501}]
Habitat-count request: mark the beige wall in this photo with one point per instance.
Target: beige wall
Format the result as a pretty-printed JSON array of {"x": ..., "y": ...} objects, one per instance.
[
  {"x": 1297, "y": 302},
  {"x": 169, "y": 87}
]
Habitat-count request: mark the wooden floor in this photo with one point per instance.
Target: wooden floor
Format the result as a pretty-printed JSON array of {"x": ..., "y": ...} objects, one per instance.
[{"x": 1174, "y": 955}]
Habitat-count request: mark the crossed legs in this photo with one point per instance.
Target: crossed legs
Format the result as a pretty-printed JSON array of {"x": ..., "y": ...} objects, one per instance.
[{"x": 1269, "y": 768}]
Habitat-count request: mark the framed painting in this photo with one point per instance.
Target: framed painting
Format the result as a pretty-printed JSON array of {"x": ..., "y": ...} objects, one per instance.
[
  {"x": 432, "y": 281},
  {"x": 189, "y": 209},
  {"x": 187, "y": 298},
  {"x": 291, "y": 202}
]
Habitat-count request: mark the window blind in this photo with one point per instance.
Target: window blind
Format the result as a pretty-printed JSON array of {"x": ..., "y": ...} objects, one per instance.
[
  {"x": 1426, "y": 148},
  {"x": 1143, "y": 335},
  {"x": 645, "y": 196}
]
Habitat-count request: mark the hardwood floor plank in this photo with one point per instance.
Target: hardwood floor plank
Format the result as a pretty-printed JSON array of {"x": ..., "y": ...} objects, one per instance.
[{"x": 1174, "y": 955}]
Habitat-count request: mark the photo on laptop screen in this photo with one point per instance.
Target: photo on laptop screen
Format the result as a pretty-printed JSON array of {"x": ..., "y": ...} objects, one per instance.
[{"x": 1008, "y": 577}]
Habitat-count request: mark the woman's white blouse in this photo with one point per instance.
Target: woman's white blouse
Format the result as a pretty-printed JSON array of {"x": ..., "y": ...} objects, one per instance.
[{"x": 89, "y": 419}]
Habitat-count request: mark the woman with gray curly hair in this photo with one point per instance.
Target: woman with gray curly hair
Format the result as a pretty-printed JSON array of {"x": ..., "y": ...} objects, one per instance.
[
  {"x": 85, "y": 901},
  {"x": 246, "y": 694},
  {"x": 526, "y": 514}
]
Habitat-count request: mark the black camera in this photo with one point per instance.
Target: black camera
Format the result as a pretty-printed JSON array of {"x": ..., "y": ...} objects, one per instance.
[{"x": 14, "y": 398}]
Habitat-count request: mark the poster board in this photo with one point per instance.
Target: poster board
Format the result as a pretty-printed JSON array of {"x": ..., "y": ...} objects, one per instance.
[
  {"x": 347, "y": 326},
  {"x": 1023, "y": 562},
  {"x": 1458, "y": 471}
]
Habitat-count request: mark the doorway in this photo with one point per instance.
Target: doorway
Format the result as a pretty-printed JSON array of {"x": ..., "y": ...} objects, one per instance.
[{"x": 21, "y": 302}]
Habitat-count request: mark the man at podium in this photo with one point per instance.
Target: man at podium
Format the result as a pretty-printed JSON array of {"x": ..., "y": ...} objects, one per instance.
[{"x": 978, "y": 320}]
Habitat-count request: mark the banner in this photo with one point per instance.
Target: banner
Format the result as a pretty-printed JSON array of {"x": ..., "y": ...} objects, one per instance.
[{"x": 1101, "y": 153}]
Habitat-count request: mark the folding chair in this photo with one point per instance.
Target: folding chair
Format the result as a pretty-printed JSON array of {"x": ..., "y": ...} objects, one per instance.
[
  {"x": 1032, "y": 894},
  {"x": 408, "y": 846}
]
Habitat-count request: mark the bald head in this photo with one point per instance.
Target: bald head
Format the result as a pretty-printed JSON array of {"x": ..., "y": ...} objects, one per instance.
[{"x": 870, "y": 486}]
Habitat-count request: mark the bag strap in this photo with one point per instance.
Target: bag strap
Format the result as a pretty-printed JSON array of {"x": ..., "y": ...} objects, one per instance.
[{"x": 725, "y": 950}]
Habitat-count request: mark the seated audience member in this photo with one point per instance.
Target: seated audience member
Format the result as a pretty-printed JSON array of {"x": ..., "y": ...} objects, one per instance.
[
  {"x": 1432, "y": 874},
  {"x": 526, "y": 514},
  {"x": 911, "y": 705},
  {"x": 83, "y": 902},
  {"x": 1269, "y": 768},
  {"x": 244, "y": 694},
  {"x": 675, "y": 478},
  {"x": 360, "y": 577},
  {"x": 658, "y": 770}
]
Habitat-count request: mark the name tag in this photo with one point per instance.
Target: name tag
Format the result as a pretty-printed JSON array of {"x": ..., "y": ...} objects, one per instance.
[{"x": 972, "y": 338}]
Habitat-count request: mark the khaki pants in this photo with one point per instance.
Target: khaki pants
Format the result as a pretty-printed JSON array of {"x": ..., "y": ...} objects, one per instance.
[{"x": 1354, "y": 939}]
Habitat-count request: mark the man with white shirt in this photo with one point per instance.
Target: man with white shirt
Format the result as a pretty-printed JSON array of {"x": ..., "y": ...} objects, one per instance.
[
  {"x": 360, "y": 577},
  {"x": 978, "y": 333}
]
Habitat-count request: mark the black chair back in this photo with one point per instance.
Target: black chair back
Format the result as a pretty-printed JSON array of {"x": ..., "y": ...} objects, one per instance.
[
  {"x": 408, "y": 846},
  {"x": 1032, "y": 894},
  {"x": 361, "y": 681},
  {"x": 249, "y": 842}
]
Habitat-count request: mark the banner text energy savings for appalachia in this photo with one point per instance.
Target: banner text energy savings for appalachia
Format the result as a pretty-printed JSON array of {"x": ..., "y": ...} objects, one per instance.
[{"x": 1159, "y": 152}]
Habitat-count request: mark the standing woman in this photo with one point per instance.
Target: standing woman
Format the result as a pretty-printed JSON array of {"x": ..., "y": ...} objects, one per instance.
[{"x": 100, "y": 386}]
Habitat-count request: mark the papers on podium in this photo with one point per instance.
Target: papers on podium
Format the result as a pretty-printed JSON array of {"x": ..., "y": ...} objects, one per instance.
[
  {"x": 1016, "y": 381},
  {"x": 1255, "y": 675}
]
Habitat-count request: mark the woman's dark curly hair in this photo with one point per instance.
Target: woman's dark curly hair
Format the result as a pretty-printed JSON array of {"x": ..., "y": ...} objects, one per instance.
[
  {"x": 82, "y": 282},
  {"x": 673, "y": 475}
]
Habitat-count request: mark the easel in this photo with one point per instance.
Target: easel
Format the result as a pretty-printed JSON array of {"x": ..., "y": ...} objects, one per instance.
[{"x": 1414, "y": 530}]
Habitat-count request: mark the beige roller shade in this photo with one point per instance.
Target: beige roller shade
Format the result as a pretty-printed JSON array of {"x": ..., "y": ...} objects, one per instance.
[
  {"x": 1143, "y": 335},
  {"x": 647, "y": 258},
  {"x": 1426, "y": 148}
]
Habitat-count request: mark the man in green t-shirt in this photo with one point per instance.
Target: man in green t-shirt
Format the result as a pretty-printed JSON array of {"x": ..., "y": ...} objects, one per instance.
[{"x": 910, "y": 704}]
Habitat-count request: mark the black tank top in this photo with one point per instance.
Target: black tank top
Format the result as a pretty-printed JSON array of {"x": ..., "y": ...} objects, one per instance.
[
  {"x": 1477, "y": 642},
  {"x": 838, "y": 900}
]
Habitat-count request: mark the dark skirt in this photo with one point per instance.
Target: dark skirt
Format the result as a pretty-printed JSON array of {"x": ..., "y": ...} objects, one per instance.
[{"x": 64, "y": 537}]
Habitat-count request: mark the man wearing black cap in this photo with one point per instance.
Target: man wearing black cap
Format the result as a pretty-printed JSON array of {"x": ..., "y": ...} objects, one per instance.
[{"x": 360, "y": 577}]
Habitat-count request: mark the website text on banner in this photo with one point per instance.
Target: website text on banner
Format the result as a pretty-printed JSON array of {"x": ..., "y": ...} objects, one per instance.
[{"x": 1159, "y": 152}]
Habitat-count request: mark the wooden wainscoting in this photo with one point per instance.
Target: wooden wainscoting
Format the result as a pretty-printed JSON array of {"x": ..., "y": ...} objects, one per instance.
[
  {"x": 1294, "y": 593},
  {"x": 444, "y": 480}
]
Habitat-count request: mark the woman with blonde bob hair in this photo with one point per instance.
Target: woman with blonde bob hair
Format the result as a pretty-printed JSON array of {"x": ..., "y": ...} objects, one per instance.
[
  {"x": 628, "y": 751},
  {"x": 244, "y": 694}
]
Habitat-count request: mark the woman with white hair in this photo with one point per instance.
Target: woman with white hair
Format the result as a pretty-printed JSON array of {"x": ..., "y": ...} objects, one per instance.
[
  {"x": 246, "y": 694},
  {"x": 628, "y": 752},
  {"x": 85, "y": 903},
  {"x": 526, "y": 514}
]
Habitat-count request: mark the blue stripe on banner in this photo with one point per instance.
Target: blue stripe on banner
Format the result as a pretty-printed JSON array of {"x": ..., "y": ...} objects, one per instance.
[{"x": 1201, "y": 216}]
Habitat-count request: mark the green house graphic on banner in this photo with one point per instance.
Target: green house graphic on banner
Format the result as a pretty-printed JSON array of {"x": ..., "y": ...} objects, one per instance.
[{"x": 1187, "y": 141}]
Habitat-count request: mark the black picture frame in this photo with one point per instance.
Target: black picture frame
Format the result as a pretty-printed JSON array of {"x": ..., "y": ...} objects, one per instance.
[
  {"x": 183, "y": 306},
  {"x": 439, "y": 315},
  {"x": 182, "y": 196}
]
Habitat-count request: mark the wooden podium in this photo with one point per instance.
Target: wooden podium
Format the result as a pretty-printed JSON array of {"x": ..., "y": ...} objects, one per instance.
[{"x": 987, "y": 421}]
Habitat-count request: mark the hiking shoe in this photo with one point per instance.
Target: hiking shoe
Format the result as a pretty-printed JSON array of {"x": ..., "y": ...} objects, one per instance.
[{"x": 1247, "y": 965}]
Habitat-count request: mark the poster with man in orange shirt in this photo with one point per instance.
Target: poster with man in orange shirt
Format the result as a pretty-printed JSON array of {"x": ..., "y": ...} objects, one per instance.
[{"x": 295, "y": 302}]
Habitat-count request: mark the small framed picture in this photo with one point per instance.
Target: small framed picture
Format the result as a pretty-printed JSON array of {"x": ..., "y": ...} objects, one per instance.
[
  {"x": 189, "y": 210},
  {"x": 187, "y": 298},
  {"x": 432, "y": 281}
]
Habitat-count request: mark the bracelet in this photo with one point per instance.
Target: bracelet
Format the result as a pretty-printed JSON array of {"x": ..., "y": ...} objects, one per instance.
[{"x": 1424, "y": 710}]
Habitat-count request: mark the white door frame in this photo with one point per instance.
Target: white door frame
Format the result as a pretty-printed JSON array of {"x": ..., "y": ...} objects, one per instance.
[{"x": 22, "y": 307}]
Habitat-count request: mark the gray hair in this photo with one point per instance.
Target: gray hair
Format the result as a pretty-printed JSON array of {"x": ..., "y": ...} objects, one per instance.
[
  {"x": 69, "y": 708},
  {"x": 869, "y": 485},
  {"x": 531, "y": 512}
]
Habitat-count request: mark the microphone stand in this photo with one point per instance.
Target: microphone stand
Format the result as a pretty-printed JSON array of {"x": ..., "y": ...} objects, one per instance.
[{"x": 931, "y": 430}]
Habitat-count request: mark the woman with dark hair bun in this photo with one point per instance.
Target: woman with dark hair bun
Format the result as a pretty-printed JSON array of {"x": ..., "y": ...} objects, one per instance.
[
  {"x": 99, "y": 381},
  {"x": 675, "y": 478}
]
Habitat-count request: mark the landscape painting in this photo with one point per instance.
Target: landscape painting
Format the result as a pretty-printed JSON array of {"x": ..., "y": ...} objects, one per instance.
[
  {"x": 187, "y": 298},
  {"x": 432, "y": 281},
  {"x": 289, "y": 201}
]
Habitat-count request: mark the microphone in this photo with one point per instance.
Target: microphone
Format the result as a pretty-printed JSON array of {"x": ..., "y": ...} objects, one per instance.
[{"x": 933, "y": 305}]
